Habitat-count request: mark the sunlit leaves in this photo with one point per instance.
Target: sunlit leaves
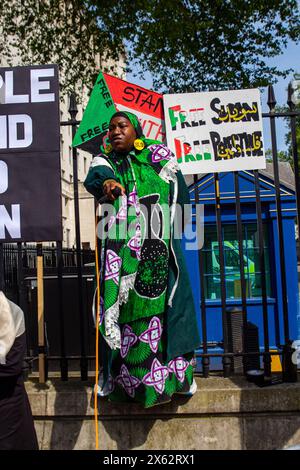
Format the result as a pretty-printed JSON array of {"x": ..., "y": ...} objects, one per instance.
[{"x": 199, "y": 44}]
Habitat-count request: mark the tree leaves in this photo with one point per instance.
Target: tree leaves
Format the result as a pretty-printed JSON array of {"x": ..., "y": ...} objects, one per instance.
[
  {"x": 55, "y": 31},
  {"x": 287, "y": 155},
  {"x": 183, "y": 44}
]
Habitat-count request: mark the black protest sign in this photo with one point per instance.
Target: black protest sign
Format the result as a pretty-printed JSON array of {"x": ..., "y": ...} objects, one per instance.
[{"x": 30, "y": 187}]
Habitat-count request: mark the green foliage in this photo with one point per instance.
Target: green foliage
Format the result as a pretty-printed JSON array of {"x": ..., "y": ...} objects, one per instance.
[
  {"x": 282, "y": 155},
  {"x": 287, "y": 156},
  {"x": 289, "y": 142},
  {"x": 201, "y": 43}
]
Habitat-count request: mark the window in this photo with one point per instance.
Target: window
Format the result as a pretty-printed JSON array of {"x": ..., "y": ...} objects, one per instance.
[
  {"x": 212, "y": 274},
  {"x": 68, "y": 237}
]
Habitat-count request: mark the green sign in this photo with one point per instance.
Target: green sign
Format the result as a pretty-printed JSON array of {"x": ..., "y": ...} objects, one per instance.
[{"x": 95, "y": 120}]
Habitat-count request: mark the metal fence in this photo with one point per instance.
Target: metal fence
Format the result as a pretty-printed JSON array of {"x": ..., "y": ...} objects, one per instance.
[{"x": 69, "y": 280}]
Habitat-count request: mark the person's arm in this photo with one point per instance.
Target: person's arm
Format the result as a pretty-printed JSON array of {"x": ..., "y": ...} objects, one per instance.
[
  {"x": 101, "y": 179},
  {"x": 100, "y": 171}
]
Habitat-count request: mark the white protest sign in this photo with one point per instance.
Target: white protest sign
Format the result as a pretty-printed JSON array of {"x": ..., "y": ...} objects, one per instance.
[{"x": 215, "y": 131}]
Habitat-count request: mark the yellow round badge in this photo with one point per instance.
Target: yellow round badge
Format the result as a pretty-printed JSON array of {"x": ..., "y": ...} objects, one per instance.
[
  {"x": 139, "y": 144},
  {"x": 108, "y": 148}
]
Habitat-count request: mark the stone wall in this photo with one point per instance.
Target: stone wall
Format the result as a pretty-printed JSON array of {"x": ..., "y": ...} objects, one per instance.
[{"x": 223, "y": 414}]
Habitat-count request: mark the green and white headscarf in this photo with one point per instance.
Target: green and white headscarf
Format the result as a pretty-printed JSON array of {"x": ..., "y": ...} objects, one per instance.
[{"x": 134, "y": 121}]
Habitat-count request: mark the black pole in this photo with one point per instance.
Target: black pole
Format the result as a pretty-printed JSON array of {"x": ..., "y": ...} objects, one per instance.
[
  {"x": 205, "y": 359},
  {"x": 83, "y": 361},
  {"x": 63, "y": 360},
  {"x": 266, "y": 356},
  {"x": 272, "y": 103},
  {"x": 241, "y": 261},
  {"x": 226, "y": 360},
  {"x": 21, "y": 294}
]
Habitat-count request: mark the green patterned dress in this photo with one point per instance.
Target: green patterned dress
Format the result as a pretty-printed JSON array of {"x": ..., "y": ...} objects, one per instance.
[{"x": 149, "y": 343}]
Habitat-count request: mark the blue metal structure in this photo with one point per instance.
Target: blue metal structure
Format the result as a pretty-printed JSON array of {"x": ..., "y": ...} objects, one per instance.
[{"x": 205, "y": 188}]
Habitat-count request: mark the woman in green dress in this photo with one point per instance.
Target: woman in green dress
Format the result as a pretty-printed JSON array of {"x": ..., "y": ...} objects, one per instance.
[{"x": 147, "y": 315}]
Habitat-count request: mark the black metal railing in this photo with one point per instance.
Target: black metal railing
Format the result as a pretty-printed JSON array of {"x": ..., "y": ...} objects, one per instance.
[
  {"x": 227, "y": 356},
  {"x": 69, "y": 274}
]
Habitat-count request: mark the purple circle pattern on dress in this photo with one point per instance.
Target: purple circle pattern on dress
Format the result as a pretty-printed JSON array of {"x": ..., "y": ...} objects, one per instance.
[
  {"x": 157, "y": 376},
  {"x": 160, "y": 152},
  {"x": 122, "y": 212},
  {"x": 153, "y": 334},
  {"x": 128, "y": 339},
  {"x": 179, "y": 365},
  {"x": 112, "y": 266},
  {"x": 127, "y": 381},
  {"x": 132, "y": 198},
  {"x": 135, "y": 242}
]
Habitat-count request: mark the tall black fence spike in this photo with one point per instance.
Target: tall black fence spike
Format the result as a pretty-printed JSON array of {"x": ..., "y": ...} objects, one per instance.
[
  {"x": 271, "y": 98},
  {"x": 73, "y": 110},
  {"x": 290, "y": 102}
]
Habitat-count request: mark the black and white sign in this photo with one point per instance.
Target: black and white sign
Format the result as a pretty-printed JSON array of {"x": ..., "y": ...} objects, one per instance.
[{"x": 30, "y": 187}]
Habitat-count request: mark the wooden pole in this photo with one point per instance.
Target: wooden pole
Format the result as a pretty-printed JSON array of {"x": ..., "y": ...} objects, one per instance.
[
  {"x": 40, "y": 311},
  {"x": 97, "y": 267}
]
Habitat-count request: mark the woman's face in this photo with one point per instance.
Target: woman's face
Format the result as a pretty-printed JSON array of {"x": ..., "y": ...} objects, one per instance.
[{"x": 121, "y": 134}]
